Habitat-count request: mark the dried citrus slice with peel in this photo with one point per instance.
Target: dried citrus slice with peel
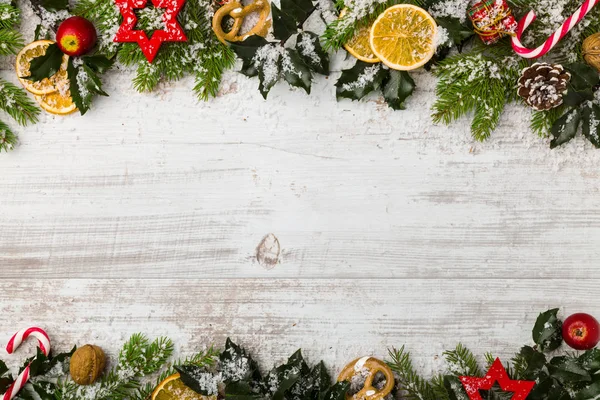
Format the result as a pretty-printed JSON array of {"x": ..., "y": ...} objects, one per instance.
[
  {"x": 46, "y": 85},
  {"x": 172, "y": 388},
  {"x": 359, "y": 45},
  {"x": 57, "y": 103},
  {"x": 403, "y": 37}
]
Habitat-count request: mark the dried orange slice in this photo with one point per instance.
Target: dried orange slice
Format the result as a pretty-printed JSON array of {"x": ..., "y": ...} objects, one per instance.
[
  {"x": 359, "y": 46},
  {"x": 46, "y": 85},
  {"x": 403, "y": 37},
  {"x": 57, "y": 103},
  {"x": 172, "y": 388}
]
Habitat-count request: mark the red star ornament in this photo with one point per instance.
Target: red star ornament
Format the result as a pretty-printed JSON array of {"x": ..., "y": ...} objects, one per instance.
[
  {"x": 496, "y": 373},
  {"x": 173, "y": 32}
]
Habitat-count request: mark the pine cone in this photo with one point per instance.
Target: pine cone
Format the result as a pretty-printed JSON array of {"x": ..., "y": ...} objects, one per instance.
[{"x": 543, "y": 85}]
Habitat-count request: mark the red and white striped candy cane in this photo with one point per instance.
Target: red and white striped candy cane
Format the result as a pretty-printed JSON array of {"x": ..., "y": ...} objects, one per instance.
[
  {"x": 555, "y": 37},
  {"x": 13, "y": 344}
]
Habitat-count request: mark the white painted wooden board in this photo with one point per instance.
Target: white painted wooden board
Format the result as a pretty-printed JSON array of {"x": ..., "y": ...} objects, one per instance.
[{"x": 392, "y": 230}]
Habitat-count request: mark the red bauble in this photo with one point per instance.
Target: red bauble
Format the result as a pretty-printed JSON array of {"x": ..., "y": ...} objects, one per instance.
[
  {"x": 76, "y": 36},
  {"x": 581, "y": 331},
  {"x": 496, "y": 373}
]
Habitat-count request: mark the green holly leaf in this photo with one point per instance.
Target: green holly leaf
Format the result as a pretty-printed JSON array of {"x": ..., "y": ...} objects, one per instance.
[
  {"x": 45, "y": 390},
  {"x": 547, "y": 331},
  {"x": 197, "y": 379},
  {"x": 337, "y": 391},
  {"x": 397, "y": 87},
  {"x": 575, "y": 97},
  {"x": 247, "y": 49},
  {"x": 46, "y": 65},
  {"x": 98, "y": 63},
  {"x": 241, "y": 390},
  {"x": 565, "y": 128},
  {"x": 590, "y": 360},
  {"x": 248, "y": 68},
  {"x": 40, "y": 364},
  {"x": 284, "y": 25},
  {"x": 590, "y": 392},
  {"x": 568, "y": 370},
  {"x": 583, "y": 76},
  {"x": 321, "y": 380},
  {"x": 548, "y": 388},
  {"x": 533, "y": 360},
  {"x": 590, "y": 122},
  {"x": 360, "y": 80},
  {"x": 84, "y": 85},
  {"x": 237, "y": 365},
  {"x": 282, "y": 378},
  {"x": 295, "y": 72},
  {"x": 457, "y": 32},
  {"x": 309, "y": 47}
]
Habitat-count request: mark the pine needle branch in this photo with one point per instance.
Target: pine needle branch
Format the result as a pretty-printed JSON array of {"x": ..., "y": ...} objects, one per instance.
[
  {"x": 10, "y": 41},
  {"x": 9, "y": 16},
  {"x": 138, "y": 357},
  {"x": 415, "y": 386},
  {"x": 17, "y": 104},
  {"x": 542, "y": 121},
  {"x": 462, "y": 362},
  {"x": 8, "y": 139}
]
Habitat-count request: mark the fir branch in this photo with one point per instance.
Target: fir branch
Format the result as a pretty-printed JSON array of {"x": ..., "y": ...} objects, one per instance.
[
  {"x": 542, "y": 121},
  {"x": 15, "y": 103},
  {"x": 202, "y": 359},
  {"x": 208, "y": 77},
  {"x": 415, "y": 386},
  {"x": 138, "y": 357},
  {"x": 9, "y": 16},
  {"x": 10, "y": 41},
  {"x": 8, "y": 139},
  {"x": 462, "y": 362}
]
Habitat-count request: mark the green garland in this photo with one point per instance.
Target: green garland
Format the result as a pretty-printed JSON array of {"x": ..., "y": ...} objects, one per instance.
[
  {"x": 13, "y": 100},
  {"x": 473, "y": 79},
  {"x": 233, "y": 374}
]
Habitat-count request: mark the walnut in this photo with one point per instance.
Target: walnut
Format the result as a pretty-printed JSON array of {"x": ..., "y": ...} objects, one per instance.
[{"x": 87, "y": 364}]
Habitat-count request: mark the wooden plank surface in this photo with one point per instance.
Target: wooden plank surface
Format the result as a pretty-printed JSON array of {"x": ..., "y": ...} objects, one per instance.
[
  {"x": 160, "y": 185},
  {"x": 336, "y": 320}
]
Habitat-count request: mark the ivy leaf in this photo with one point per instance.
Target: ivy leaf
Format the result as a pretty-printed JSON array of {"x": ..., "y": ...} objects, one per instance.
[
  {"x": 547, "y": 330},
  {"x": 397, "y": 87},
  {"x": 295, "y": 72},
  {"x": 563, "y": 130},
  {"x": 311, "y": 52},
  {"x": 84, "y": 85},
  {"x": 337, "y": 391},
  {"x": 590, "y": 115},
  {"x": 46, "y": 65},
  {"x": 360, "y": 80},
  {"x": 567, "y": 370},
  {"x": 457, "y": 32},
  {"x": 583, "y": 76}
]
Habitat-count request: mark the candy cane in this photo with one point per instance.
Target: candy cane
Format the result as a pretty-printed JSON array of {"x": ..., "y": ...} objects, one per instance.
[
  {"x": 555, "y": 37},
  {"x": 13, "y": 344}
]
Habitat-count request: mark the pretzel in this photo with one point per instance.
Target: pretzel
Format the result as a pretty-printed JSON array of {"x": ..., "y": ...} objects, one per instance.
[
  {"x": 373, "y": 365},
  {"x": 238, "y": 12}
]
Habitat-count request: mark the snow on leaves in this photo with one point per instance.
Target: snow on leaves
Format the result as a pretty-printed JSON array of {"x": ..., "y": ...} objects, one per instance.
[
  {"x": 273, "y": 61},
  {"x": 84, "y": 80}
]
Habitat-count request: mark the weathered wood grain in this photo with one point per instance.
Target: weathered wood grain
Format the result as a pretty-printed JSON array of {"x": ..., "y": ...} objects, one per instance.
[
  {"x": 336, "y": 320},
  {"x": 161, "y": 186}
]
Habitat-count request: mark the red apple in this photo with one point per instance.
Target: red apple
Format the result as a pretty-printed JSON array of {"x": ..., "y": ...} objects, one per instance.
[
  {"x": 581, "y": 331},
  {"x": 76, "y": 36}
]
